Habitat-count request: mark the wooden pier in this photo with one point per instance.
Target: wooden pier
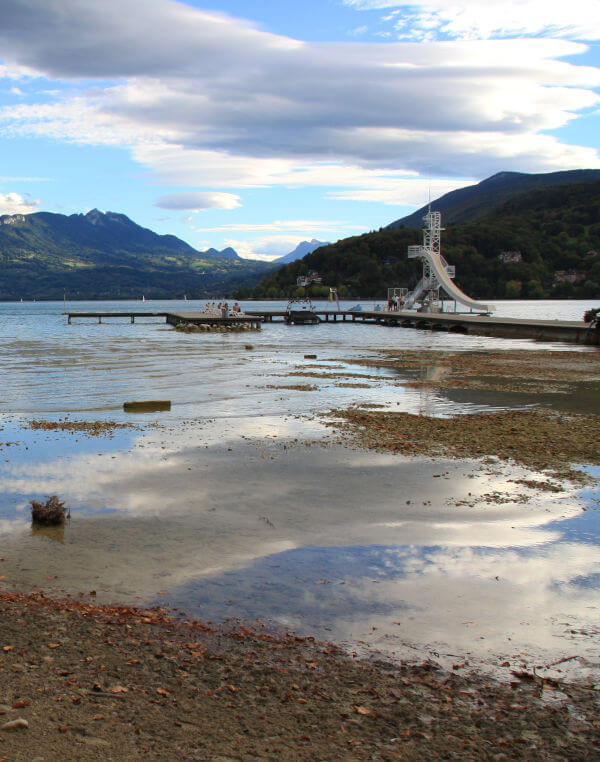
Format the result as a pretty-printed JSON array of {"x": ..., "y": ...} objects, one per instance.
[
  {"x": 325, "y": 315},
  {"x": 99, "y": 315},
  {"x": 574, "y": 332},
  {"x": 173, "y": 318}
]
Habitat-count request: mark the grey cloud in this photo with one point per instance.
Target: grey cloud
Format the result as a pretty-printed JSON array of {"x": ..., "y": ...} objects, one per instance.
[
  {"x": 122, "y": 38},
  {"x": 207, "y": 82}
]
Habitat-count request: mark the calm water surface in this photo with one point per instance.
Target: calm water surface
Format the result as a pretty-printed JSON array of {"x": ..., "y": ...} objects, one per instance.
[{"x": 235, "y": 504}]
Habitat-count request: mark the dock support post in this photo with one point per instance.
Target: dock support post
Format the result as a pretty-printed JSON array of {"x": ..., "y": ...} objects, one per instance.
[
  {"x": 133, "y": 318},
  {"x": 99, "y": 319},
  {"x": 69, "y": 320}
]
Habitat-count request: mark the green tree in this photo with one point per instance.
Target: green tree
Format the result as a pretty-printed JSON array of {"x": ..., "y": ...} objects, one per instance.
[
  {"x": 534, "y": 290},
  {"x": 512, "y": 289}
]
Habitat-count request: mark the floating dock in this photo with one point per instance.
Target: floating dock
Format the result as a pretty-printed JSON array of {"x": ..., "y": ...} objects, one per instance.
[
  {"x": 574, "y": 332},
  {"x": 206, "y": 318}
]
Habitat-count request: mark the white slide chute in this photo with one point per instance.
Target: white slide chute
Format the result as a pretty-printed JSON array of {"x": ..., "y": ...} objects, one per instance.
[
  {"x": 454, "y": 292},
  {"x": 437, "y": 273}
]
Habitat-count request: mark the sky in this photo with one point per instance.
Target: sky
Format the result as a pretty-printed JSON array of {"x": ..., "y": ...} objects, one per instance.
[{"x": 261, "y": 124}]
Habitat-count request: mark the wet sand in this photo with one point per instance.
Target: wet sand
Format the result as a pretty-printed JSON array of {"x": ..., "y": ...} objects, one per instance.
[{"x": 85, "y": 682}]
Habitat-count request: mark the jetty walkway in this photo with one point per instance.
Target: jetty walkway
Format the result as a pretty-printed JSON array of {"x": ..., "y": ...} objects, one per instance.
[{"x": 576, "y": 332}]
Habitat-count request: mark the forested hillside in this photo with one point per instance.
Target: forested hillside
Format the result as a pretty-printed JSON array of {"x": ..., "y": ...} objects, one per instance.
[
  {"x": 108, "y": 256},
  {"x": 555, "y": 233}
]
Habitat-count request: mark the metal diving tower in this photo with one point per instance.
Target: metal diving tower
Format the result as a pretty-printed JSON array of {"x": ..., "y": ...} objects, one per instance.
[{"x": 437, "y": 273}]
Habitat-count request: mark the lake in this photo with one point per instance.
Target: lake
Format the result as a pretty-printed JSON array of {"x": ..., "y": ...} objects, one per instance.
[{"x": 240, "y": 503}]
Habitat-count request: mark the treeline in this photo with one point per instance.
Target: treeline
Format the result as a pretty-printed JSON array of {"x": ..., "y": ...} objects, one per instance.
[
  {"x": 118, "y": 282},
  {"x": 554, "y": 230}
]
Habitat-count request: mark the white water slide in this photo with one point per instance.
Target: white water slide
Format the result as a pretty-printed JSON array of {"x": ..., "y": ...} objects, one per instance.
[
  {"x": 438, "y": 268},
  {"x": 437, "y": 273}
]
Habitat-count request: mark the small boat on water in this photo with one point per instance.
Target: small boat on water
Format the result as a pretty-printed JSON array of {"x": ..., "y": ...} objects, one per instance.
[{"x": 301, "y": 312}]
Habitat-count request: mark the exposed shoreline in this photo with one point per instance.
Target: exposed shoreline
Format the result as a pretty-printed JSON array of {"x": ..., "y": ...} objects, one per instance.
[{"x": 114, "y": 682}]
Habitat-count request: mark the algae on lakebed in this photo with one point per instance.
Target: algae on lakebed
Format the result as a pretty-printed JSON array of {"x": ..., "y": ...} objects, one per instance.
[
  {"x": 538, "y": 439},
  {"x": 558, "y": 371}
]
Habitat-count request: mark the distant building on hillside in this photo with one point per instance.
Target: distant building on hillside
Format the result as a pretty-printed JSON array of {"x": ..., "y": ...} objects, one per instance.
[
  {"x": 568, "y": 276},
  {"x": 510, "y": 256},
  {"x": 306, "y": 280}
]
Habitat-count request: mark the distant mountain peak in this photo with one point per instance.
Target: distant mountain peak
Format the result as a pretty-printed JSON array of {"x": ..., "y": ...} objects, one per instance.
[
  {"x": 475, "y": 201},
  {"x": 94, "y": 216},
  {"x": 301, "y": 250},
  {"x": 227, "y": 253},
  {"x": 505, "y": 175}
]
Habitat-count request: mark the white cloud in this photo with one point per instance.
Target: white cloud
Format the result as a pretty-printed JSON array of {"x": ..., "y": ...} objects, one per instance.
[
  {"x": 400, "y": 192},
  {"x": 204, "y": 100},
  {"x": 266, "y": 248},
  {"x": 197, "y": 201},
  {"x": 14, "y": 203},
  {"x": 282, "y": 235},
  {"x": 15, "y": 72},
  {"x": 476, "y": 19},
  {"x": 302, "y": 227}
]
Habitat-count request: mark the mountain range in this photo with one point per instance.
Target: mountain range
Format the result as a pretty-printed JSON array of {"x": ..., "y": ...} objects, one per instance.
[
  {"x": 549, "y": 225},
  {"x": 101, "y": 255}
]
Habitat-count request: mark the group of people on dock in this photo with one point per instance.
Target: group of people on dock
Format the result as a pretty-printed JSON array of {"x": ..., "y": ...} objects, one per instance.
[
  {"x": 222, "y": 309},
  {"x": 395, "y": 303}
]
